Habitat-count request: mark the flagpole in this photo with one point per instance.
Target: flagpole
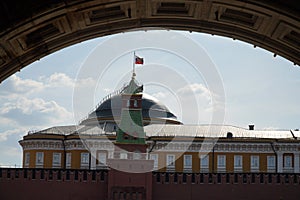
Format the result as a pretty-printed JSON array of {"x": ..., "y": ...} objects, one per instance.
[{"x": 133, "y": 66}]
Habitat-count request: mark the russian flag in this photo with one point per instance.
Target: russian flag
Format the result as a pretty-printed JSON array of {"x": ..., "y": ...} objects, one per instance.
[{"x": 139, "y": 61}]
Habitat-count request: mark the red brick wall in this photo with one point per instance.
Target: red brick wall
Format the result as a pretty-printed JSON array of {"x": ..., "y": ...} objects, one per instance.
[
  {"x": 12, "y": 188},
  {"x": 240, "y": 187},
  {"x": 92, "y": 185}
]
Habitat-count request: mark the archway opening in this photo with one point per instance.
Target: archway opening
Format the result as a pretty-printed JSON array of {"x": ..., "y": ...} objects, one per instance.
[{"x": 257, "y": 86}]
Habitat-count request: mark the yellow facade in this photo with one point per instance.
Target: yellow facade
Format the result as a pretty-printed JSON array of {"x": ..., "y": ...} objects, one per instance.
[
  {"x": 76, "y": 158},
  {"x": 47, "y": 158},
  {"x": 49, "y": 144}
]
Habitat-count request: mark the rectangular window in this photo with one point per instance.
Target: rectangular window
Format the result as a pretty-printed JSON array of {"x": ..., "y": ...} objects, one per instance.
[
  {"x": 170, "y": 161},
  {"x": 39, "y": 162},
  {"x": 56, "y": 161},
  {"x": 128, "y": 103},
  {"x": 288, "y": 162},
  {"x": 221, "y": 163},
  {"x": 155, "y": 158},
  {"x": 137, "y": 155},
  {"x": 85, "y": 158},
  {"x": 68, "y": 160},
  {"x": 123, "y": 155},
  {"x": 102, "y": 158},
  {"x": 27, "y": 159},
  {"x": 204, "y": 163},
  {"x": 254, "y": 163},
  {"x": 271, "y": 165},
  {"x": 187, "y": 161},
  {"x": 238, "y": 163}
]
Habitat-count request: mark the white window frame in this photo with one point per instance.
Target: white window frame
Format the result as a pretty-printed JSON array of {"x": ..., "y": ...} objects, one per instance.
[
  {"x": 254, "y": 163},
  {"x": 84, "y": 160},
  {"x": 56, "y": 159},
  {"x": 68, "y": 160},
  {"x": 187, "y": 161},
  {"x": 27, "y": 159},
  {"x": 155, "y": 158},
  {"x": 271, "y": 163},
  {"x": 170, "y": 161},
  {"x": 39, "y": 161},
  {"x": 288, "y": 162},
  {"x": 102, "y": 157},
  {"x": 204, "y": 163},
  {"x": 221, "y": 163},
  {"x": 238, "y": 163}
]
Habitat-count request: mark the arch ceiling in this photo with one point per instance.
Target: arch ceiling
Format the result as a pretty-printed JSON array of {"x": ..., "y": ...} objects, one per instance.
[{"x": 32, "y": 29}]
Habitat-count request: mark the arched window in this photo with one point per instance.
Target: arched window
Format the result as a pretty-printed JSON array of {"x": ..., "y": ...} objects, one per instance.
[{"x": 135, "y": 103}]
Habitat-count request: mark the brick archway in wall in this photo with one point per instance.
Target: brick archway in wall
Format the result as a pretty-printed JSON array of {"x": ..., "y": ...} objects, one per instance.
[{"x": 32, "y": 29}]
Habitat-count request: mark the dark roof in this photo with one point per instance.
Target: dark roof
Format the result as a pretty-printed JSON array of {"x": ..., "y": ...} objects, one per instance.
[
  {"x": 168, "y": 130},
  {"x": 151, "y": 108}
]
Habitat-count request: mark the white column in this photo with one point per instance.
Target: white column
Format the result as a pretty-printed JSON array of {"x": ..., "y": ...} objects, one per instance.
[
  {"x": 110, "y": 154},
  {"x": 296, "y": 162},
  {"x": 93, "y": 159},
  {"x": 279, "y": 162}
]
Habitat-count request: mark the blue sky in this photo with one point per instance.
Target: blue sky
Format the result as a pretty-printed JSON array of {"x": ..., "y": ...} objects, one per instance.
[{"x": 259, "y": 89}]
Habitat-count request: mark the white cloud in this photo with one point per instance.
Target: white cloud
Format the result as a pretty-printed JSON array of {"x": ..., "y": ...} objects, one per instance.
[
  {"x": 18, "y": 131},
  {"x": 16, "y": 85},
  {"x": 35, "y": 111},
  {"x": 199, "y": 104},
  {"x": 59, "y": 80},
  {"x": 24, "y": 94},
  {"x": 195, "y": 89},
  {"x": 5, "y": 122}
]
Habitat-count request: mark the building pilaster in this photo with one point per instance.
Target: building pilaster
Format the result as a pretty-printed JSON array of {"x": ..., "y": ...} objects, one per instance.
[
  {"x": 93, "y": 159},
  {"x": 296, "y": 162},
  {"x": 279, "y": 162}
]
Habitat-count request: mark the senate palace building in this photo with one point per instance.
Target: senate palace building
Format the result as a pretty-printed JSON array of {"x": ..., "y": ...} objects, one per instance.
[{"x": 130, "y": 118}]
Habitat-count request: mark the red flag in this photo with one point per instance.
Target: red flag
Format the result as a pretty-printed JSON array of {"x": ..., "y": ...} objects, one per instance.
[{"x": 139, "y": 60}]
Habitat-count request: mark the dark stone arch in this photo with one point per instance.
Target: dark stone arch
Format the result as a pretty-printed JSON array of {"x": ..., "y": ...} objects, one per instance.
[{"x": 32, "y": 29}]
